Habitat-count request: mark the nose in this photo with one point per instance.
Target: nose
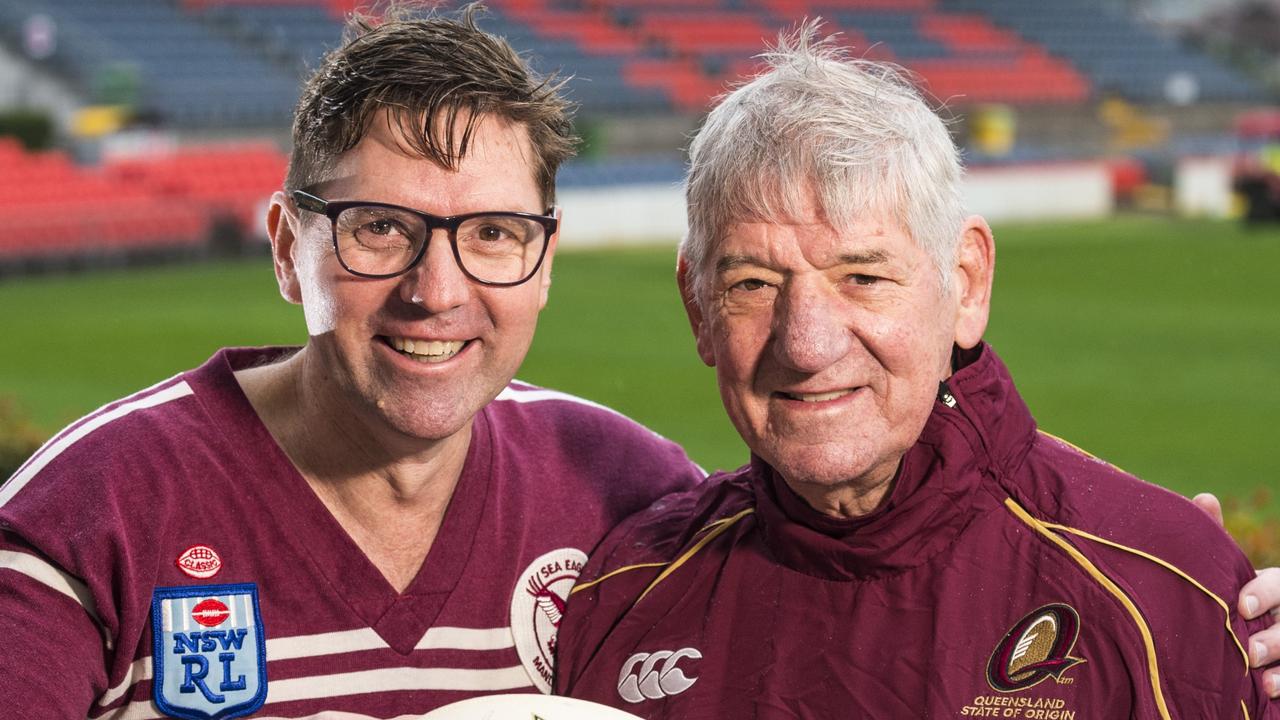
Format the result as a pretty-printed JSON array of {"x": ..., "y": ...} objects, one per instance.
[
  {"x": 809, "y": 335},
  {"x": 436, "y": 283}
]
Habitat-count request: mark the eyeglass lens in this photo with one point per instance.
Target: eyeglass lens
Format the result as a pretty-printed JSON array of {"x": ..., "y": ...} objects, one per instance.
[{"x": 384, "y": 241}]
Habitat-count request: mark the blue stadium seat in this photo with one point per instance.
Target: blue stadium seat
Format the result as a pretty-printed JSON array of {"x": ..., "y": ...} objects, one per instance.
[
  {"x": 1118, "y": 54},
  {"x": 186, "y": 74}
]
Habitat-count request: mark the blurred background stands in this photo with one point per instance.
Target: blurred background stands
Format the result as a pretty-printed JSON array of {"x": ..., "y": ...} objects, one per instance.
[{"x": 124, "y": 110}]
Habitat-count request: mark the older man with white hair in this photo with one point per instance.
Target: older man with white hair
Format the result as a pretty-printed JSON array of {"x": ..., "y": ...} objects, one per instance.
[{"x": 904, "y": 542}]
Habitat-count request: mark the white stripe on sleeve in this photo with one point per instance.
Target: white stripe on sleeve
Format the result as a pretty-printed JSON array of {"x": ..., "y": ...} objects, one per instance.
[
  {"x": 50, "y": 576},
  {"x": 58, "y": 445}
]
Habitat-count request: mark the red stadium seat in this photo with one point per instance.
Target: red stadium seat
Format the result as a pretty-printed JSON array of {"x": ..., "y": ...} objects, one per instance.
[
  {"x": 962, "y": 32},
  {"x": 54, "y": 207},
  {"x": 707, "y": 33}
]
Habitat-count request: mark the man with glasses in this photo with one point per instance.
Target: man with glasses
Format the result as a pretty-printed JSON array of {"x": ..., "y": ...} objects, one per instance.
[{"x": 380, "y": 522}]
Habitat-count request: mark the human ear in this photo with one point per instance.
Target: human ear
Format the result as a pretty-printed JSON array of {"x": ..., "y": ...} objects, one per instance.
[
  {"x": 282, "y": 231},
  {"x": 973, "y": 276},
  {"x": 693, "y": 309}
]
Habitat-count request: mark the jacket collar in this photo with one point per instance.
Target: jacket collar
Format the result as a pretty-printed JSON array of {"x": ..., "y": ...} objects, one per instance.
[{"x": 979, "y": 426}]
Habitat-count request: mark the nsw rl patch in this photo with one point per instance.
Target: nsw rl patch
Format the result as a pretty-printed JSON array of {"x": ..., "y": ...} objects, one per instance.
[
  {"x": 537, "y": 604},
  {"x": 210, "y": 657}
]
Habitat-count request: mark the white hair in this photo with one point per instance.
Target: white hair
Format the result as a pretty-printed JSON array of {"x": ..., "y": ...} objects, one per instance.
[{"x": 852, "y": 136}]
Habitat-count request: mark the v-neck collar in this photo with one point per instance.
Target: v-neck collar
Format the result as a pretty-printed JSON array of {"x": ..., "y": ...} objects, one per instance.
[{"x": 400, "y": 619}]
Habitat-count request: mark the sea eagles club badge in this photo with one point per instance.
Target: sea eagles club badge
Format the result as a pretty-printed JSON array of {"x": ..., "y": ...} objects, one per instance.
[
  {"x": 210, "y": 659},
  {"x": 537, "y": 605}
]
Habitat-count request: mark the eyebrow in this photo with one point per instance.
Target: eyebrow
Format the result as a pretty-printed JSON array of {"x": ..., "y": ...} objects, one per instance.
[
  {"x": 866, "y": 257},
  {"x": 729, "y": 262}
]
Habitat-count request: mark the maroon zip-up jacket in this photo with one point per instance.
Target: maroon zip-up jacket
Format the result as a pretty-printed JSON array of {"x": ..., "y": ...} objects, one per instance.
[{"x": 1006, "y": 574}]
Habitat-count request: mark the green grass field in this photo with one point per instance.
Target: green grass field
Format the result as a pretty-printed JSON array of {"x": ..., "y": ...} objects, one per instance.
[{"x": 1152, "y": 343}]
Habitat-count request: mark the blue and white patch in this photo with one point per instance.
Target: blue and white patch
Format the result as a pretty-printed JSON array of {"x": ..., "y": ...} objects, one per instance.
[{"x": 210, "y": 654}]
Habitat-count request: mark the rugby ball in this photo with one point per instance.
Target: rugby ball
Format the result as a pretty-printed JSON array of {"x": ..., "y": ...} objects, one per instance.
[{"x": 525, "y": 706}]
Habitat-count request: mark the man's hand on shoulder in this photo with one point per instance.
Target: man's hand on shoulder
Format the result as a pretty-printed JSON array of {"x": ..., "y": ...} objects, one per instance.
[{"x": 1259, "y": 596}]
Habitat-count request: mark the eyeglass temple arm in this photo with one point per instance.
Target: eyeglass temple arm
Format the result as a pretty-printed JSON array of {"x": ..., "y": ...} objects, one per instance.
[{"x": 307, "y": 201}]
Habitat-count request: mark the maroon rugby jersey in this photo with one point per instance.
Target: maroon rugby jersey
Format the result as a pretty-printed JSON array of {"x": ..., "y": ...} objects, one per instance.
[
  {"x": 1006, "y": 574},
  {"x": 171, "y": 523}
]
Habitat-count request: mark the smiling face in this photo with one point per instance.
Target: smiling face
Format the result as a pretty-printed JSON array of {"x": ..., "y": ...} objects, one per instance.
[
  {"x": 829, "y": 345},
  {"x": 422, "y": 352}
]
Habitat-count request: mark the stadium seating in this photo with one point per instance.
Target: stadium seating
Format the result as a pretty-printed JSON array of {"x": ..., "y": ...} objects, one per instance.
[
  {"x": 219, "y": 63},
  {"x": 176, "y": 68},
  {"x": 55, "y": 208},
  {"x": 1119, "y": 56},
  {"x": 237, "y": 64}
]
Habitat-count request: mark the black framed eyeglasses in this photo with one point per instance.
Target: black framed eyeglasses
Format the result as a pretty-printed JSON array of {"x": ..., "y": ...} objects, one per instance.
[{"x": 380, "y": 240}]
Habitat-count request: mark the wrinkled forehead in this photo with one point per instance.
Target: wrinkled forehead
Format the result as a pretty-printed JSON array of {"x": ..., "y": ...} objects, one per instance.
[{"x": 799, "y": 199}]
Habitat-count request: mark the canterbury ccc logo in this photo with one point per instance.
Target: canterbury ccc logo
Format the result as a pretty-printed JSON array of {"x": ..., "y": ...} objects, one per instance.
[
  {"x": 1037, "y": 647},
  {"x": 653, "y": 676}
]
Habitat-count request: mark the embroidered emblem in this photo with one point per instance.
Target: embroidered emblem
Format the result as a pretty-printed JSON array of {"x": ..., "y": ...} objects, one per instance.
[
  {"x": 653, "y": 676},
  {"x": 209, "y": 660},
  {"x": 537, "y": 606},
  {"x": 1037, "y": 647},
  {"x": 199, "y": 561}
]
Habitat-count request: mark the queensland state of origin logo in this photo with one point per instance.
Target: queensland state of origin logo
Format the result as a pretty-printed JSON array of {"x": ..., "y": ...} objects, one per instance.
[
  {"x": 1037, "y": 647},
  {"x": 537, "y": 606}
]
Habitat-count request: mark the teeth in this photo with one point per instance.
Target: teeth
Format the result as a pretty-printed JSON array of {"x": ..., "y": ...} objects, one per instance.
[
  {"x": 427, "y": 351},
  {"x": 819, "y": 397}
]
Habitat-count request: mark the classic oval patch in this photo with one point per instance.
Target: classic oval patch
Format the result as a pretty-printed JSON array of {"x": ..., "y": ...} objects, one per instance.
[{"x": 200, "y": 561}]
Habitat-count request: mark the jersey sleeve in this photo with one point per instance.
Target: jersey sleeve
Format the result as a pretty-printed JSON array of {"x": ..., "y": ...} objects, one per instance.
[
  {"x": 1254, "y": 690},
  {"x": 1179, "y": 568},
  {"x": 628, "y": 561},
  {"x": 1201, "y": 640},
  {"x": 1249, "y": 698},
  {"x": 53, "y": 647},
  {"x": 643, "y": 466},
  {"x": 79, "y": 552}
]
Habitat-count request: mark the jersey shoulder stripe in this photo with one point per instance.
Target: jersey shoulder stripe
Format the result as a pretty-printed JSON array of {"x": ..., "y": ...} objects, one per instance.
[
  {"x": 1148, "y": 641},
  {"x": 1175, "y": 570},
  {"x": 708, "y": 532},
  {"x": 521, "y": 392},
  {"x": 1170, "y": 567},
  {"x": 109, "y": 413},
  {"x": 1072, "y": 446}
]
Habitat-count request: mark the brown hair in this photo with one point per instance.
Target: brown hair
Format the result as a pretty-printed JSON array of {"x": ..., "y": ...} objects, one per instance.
[{"x": 427, "y": 72}]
